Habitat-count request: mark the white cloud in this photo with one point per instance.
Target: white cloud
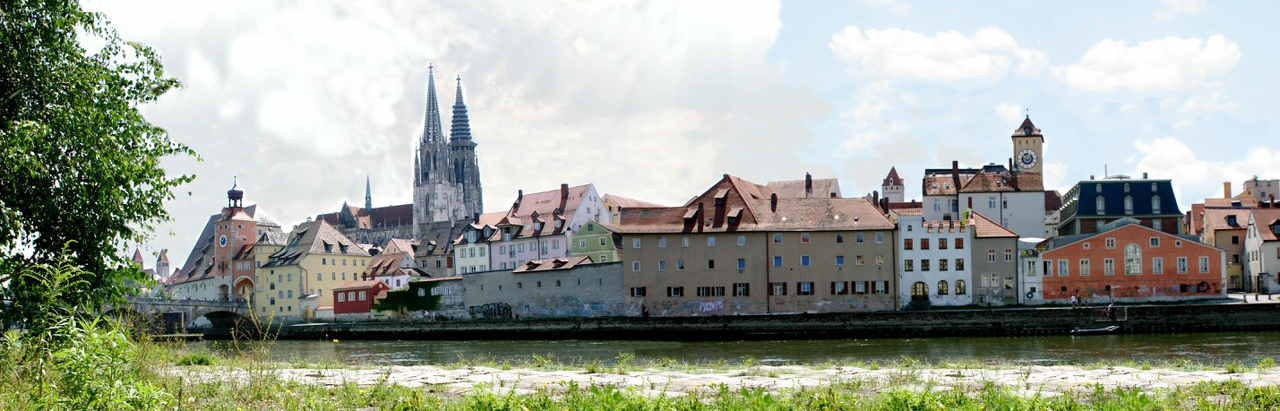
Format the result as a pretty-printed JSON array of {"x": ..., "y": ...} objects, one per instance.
[
  {"x": 1196, "y": 178},
  {"x": 1172, "y": 8},
  {"x": 1009, "y": 113},
  {"x": 1167, "y": 64},
  {"x": 896, "y": 6},
  {"x": 1055, "y": 177},
  {"x": 988, "y": 54}
]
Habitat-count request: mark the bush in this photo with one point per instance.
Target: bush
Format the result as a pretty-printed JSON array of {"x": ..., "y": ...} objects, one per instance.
[{"x": 195, "y": 358}]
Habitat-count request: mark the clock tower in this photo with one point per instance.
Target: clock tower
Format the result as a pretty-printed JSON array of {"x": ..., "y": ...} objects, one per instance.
[
  {"x": 233, "y": 234},
  {"x": 1027, "y": 146}
]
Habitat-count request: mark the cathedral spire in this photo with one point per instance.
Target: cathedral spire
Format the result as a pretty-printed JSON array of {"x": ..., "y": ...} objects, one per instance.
[
  {"x": 368, "y": 196},
  {"x": 431, "y": 127},
  {"x": 460, "y": 129}
]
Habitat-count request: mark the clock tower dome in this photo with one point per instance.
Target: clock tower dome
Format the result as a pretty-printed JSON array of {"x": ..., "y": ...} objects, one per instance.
[{"x": 1027, "y": 146}]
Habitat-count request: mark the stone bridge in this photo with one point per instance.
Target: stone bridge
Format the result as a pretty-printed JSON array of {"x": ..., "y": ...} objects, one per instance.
[{"x": 168, "y": 316}]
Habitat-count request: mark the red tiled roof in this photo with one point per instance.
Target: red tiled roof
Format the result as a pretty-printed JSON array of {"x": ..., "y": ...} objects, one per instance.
[
  {"x": 552, "y": 264},
  {"x": 626, "y": 202},
  {"x": 358, "y": 285},
  {"x": 985, "y": 228},
  {"x": 892, "y": 179},
  {"x": 1264, "y": 218},
  {"x": 822, "y": 187},
  {"x": 1216, "y": 218},
  {"x": 1021, "y": 131},
  {"x": 908, "y": 211},
  {"x": 395, "y": 215}
]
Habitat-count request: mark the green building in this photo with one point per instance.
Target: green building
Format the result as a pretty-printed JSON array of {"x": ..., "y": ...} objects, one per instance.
[{"x": 596, "y": 240}]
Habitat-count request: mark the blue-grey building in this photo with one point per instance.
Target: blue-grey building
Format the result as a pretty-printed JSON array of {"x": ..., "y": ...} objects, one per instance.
[{"x": 1092, "y": 203}]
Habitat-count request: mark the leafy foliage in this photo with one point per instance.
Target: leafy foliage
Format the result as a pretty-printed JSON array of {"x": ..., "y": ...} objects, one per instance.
[
  {"x": 407, "y": 299},
  {"x": 80, "y": 162}
]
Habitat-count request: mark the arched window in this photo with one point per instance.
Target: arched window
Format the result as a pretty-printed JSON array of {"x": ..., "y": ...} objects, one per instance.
[
  {"x": 942, "y": 287},
  {"x": 1128, "y": 204},
  {"x": 919, "y": 291},
  {"x": 319, "y": 277},
  {"x": 960, "y": 288},
  {"x": 422, "y": 292},
  {"x": 1155, "y": 205},
  {"x": 1101, "y": 205},
  {"x": 1132, "y": 259}
]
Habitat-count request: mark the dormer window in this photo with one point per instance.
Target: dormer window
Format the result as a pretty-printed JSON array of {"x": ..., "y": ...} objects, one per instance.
[
  {"x": 1155, "y": 205},
  {"x": 471, "y": 236},
  {"x": 559, "y": 224},
  {"x": 1231, "y": 221},
  {"x": 1275, "y": 228},
  {"x": 1126, "y": 187},
  {"x": 537, "y": 226}
]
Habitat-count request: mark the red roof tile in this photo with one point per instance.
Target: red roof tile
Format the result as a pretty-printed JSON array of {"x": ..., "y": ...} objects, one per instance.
[{"x": 985, "y": 228}]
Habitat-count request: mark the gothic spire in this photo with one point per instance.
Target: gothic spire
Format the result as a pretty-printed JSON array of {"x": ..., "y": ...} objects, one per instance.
[
  {"x": 368, "y": 196},
  {"x": 431, "y": 127},
  {"x": 461, "y": 127}
]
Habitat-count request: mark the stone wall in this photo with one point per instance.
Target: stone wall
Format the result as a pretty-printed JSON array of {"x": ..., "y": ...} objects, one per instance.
[{"x": 593, "y": 290}]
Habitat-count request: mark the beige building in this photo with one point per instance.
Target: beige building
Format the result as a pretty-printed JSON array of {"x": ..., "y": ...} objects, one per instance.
[
  {"x": 298, "y": 279},
  {"x": 744, "y": 248},
  {"x": 994, "y": 262}
]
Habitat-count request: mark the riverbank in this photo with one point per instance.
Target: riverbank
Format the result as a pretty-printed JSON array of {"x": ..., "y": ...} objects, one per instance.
[{"x": 936, "y": 323}]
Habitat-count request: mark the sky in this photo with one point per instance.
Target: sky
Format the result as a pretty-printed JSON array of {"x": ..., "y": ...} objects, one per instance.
[{"x": 656, "y": 100}]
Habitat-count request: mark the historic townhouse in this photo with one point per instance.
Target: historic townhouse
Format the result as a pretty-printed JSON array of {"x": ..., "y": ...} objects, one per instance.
[
  {"x": 742, "y": 248},
  {"x": 1093, "y": 203},
  {"x": 395, "y": 269},
  {"x": 1262, "y": 247},
  {"x": 1128, "y": 261},
  {"x": 222, "y": 264},
  {"x": 297, "y": 281},
  {"x": 934, "y": 267},
  {"x": 471, "y": 250},
  {"x": 538, "y": 225},
  {"x": 994, "y": 262},
  {"x": 597, "y": 240}
]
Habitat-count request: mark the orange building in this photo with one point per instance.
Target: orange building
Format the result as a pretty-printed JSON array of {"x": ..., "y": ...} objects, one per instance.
[{"x": 1131, "y": 262}]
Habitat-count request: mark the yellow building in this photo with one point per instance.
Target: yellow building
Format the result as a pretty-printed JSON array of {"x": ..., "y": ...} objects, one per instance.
[{"x": 296, "y": 281}]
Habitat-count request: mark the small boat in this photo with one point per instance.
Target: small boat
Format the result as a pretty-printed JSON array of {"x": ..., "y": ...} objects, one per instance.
[{"x": 1095, "y": 331}]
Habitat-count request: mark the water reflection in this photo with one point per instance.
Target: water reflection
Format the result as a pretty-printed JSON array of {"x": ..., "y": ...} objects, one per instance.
[{"x": 1208, "y": 348}]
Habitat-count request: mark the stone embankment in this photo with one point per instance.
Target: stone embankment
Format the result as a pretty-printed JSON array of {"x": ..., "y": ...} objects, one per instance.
[
  {"x": 969, "y": 322},
  {"x": 1028, "y": 380}
]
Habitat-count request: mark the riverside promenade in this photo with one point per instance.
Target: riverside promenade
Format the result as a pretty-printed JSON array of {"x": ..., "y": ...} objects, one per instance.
[{"x": 1229, "y": 315}]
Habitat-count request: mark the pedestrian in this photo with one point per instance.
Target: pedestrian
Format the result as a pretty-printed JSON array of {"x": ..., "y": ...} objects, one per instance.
[
  {"x": 644, "y": 311},
  {"x": 1111, "y": 311},
  {"x": 1074, "y": 300}
]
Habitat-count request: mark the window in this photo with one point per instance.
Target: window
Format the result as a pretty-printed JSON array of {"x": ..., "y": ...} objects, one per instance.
[
  {"x": 839, "y": 288},
  {"x": 1155, "y": 205},
  {"x": 711, "y": 264},
  {"x": 1086, "y": 246},
  {"x": 662, "y": 265},
  {"x": 601, "y": 241},
  {"x": 839, "y": 238},
  {"x": 1128, "y": 204},
  {"x": 942, "y": 264},
  {"x": 1111, "y": 243},
  {"x": 319, "y": 277},
  {"x": 1126, "y": 187},
  {"x": 1132, "y": 259},
  {"x": 959, "y": 243},
  {"x": 582, "y": 243},
  {"x": 777, "y": 238},
  {"x": 857, "y": 238},
  {"x": 942, "y": 287},
  {"x": 839, "y": 260},
  {"x": 804, "y": 261},
  {"x": 635, "y": 266},
  {"x": 1235, "y": 239},
  {"x": 991, "y": 256},
  {"x": 680, "y": 264},
  {"x": 742, "y": 264},
  {"x": 906, "y": 244},
  {"x": 1109, "y": 266},
  {"x": 637, "y": 291},
  {"x": 804, "y": 288},
  {"x": 711, "y": 241},
  {"x": 741, "y": 289},
  {"x": 942, "y": 243},
  {"x": 684, "y": 242},
  {"x": 959, "y": 264},
  {"x": 919, "y": 291},
  {"x": 742, "y": 240},
  {"x": 1204, "y": 264},
  {"x": 777, "y": 288},
  {"x": 342, "y": 298},
  {"x": 1157, "y": 265},
  {"x": 662, "y": 242},
  {"x": 1100, "y": 204},
  {"x": 924, "y": 264},
  {"x": 1182, "y": 265},
  {"x": 960, "y": 287},
  {"x": 675, "y": 291},
  {"x": 879, "y": 259},
  {"x": 879, "y": 238},
  {"x": 924, "y": 243},
  {"x": 858, "y": 260},
  {"x": 1084, "y": 266},
  {"x": 777, "y": 261},
  {"x": 908, "y": 265},
  {"x": 635, "y": 243},
  {"x": 1155, "y": 242},
  {"x": 804, "y": 238},
  {"x": 1063, "y": 269}
]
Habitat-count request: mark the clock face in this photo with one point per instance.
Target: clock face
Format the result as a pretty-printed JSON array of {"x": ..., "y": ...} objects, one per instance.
[
  {"x": 1027, "y": 158},
  {"x": 222, "y": 241}
]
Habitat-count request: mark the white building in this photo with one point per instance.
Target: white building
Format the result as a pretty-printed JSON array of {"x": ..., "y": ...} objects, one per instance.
[
  {"x": 933, "y": 262},
  {"x": 1262, "y": 247},
  {"x": 538, "y": 225}
]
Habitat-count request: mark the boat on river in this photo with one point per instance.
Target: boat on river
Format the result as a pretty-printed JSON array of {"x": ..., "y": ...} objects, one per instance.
[{"x": 1113, "y": 329}]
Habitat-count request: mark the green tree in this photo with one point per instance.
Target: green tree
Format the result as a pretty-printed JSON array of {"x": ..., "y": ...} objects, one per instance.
[{"x": 81, "y": 166}]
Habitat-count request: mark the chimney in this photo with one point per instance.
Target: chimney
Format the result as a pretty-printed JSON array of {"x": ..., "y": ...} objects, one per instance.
[
  {"x": 698, "y": 217},
  {"x": 773, "y": 202},
  {"x": 1226, "y": 189},
  {"x": 1144, "y": 175},
  {"x": 808, "y": 185},
  {"x": 1091, "y": 177},
  {"x": 475, "y": 217},
  {"x": 875, "y": 196},
  {"x": 955, "y": 175},
  {"x": 970, "y": 202},
  {"x": 1010, "y": 163},
  {"x": 564, "y": 197},
  {"x": 884, "y": 205}
]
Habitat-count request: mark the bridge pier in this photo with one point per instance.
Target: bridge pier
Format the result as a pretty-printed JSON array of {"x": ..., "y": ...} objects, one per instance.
[{"x": 168, "y": 316}]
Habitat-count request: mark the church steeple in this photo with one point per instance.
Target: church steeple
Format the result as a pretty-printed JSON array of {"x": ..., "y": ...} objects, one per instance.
[
  {"x": 461, "y": 127},
  {"x": 368, "y": 195},
  {"x": 432, "y": 130}
]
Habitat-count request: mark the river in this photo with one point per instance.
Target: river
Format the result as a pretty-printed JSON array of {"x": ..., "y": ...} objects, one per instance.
[{"x": 1205, "y": 348}]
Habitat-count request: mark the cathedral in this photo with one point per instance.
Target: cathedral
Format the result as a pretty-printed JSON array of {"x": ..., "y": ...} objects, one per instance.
[{"x": 446, "y": 185}]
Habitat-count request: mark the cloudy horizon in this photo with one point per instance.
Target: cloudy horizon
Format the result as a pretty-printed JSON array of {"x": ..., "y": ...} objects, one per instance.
[{"x": 655, "y": 100}]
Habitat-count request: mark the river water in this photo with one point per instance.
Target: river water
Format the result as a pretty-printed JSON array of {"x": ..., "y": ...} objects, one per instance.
[{"x": 1205, "y": 348}]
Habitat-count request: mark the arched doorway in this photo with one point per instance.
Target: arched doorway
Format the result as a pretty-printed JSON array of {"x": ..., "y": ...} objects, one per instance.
[
  {"x": 224, "y": 293},
  {"x": 244, "y": 289},
  {"x": 919, "y": 291}
]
